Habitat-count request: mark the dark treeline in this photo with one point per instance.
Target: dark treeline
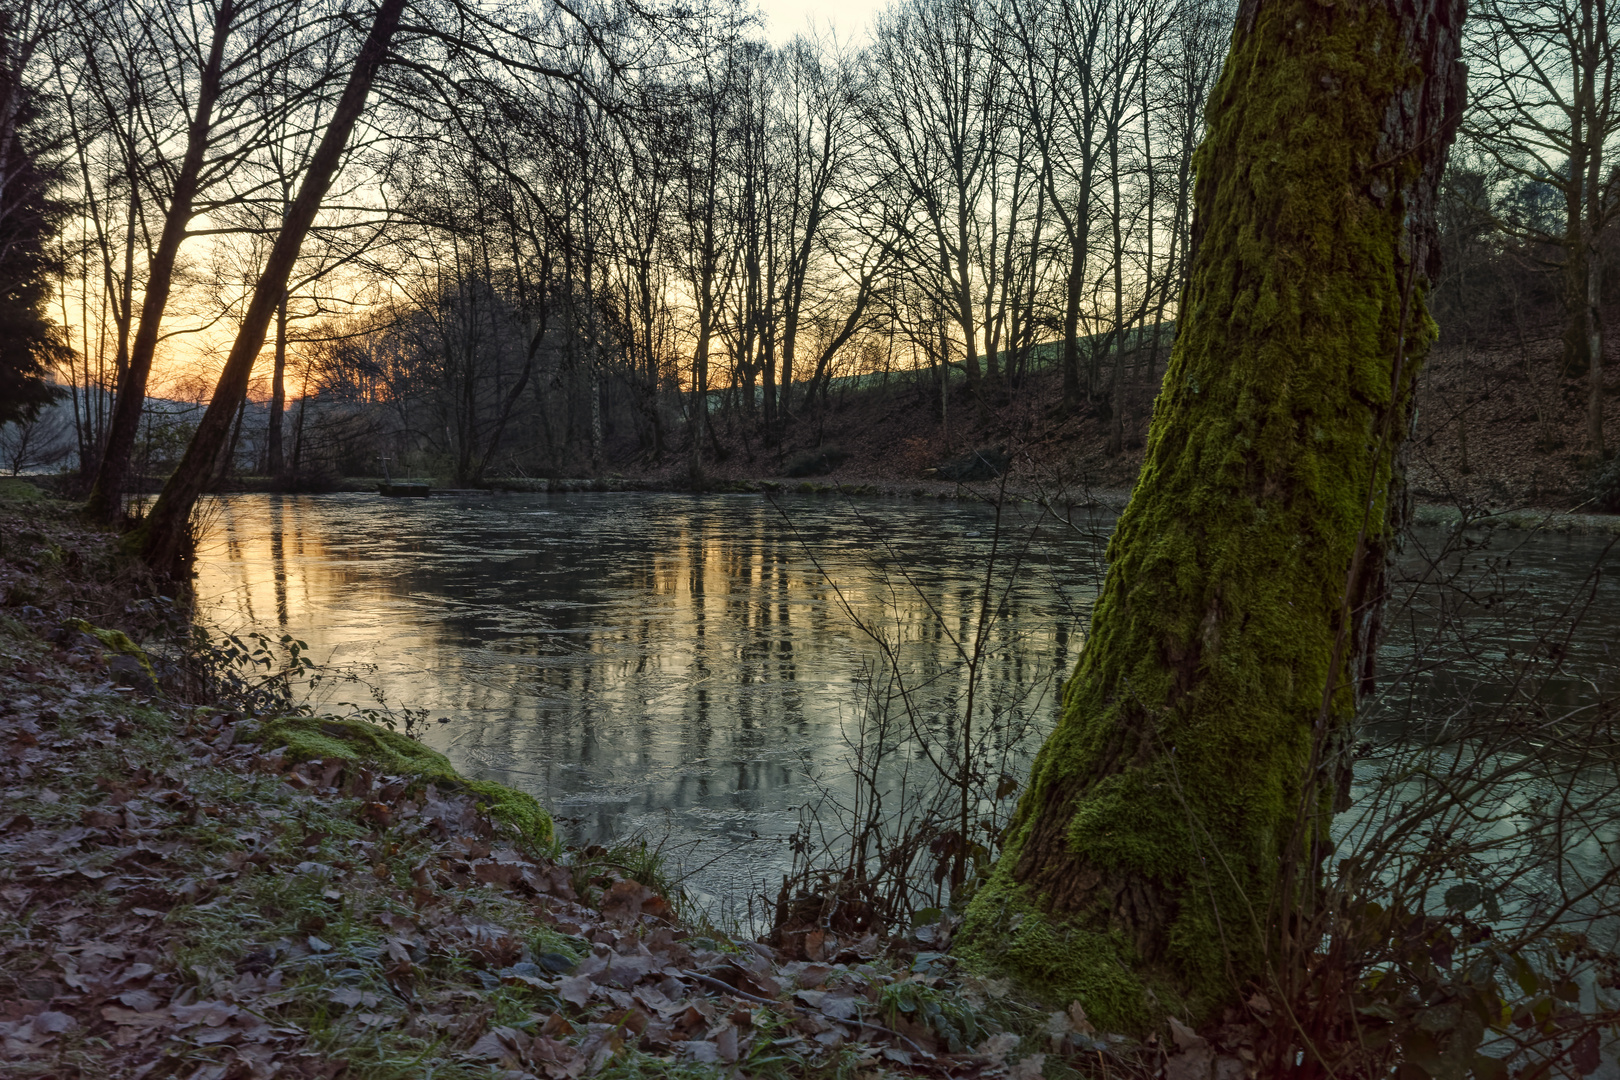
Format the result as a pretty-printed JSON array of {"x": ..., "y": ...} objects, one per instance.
[{"x": 569, "y": 238}]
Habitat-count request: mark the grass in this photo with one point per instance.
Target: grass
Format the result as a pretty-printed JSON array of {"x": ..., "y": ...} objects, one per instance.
[{"x": 14, "y": 489}]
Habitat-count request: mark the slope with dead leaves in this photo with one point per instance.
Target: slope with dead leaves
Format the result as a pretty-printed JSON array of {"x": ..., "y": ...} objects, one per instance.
[{"x": 180, "y": 900}]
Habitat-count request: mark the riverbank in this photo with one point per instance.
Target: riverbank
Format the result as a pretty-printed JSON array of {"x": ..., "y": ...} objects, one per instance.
[
  {"x": 1060, "y": 498},
  {"x": 193, "y": 888},
  {"x": 1496, "y": 426}
]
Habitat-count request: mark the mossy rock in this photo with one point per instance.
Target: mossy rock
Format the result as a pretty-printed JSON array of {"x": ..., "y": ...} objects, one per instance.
[
  {"x": 117, "y": 643},
  {"x": 309, "y": 737}
]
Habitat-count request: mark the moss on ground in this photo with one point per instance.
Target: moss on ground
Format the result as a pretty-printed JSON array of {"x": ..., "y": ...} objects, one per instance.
[
  {"x": 309, "y": 737},
  {"x": 17, "y": 490},
  {"x": 118, "y": 643}
]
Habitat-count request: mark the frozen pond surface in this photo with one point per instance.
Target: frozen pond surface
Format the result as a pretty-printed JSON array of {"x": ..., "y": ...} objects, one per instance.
[
  {"x": 672, "y": 665},
  {"x": 687, "y": 667}
]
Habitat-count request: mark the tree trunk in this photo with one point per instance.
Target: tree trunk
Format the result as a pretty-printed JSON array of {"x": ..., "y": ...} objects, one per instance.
[
  {"x": 162, "y": 538},
  {"x": 107, "y": 492},
  {"x": 1145, "y": 865},
  {"x": 1577, "y": 317},
  {"x": 1073, "y": 390},
  {"x": 227, "y": 454},
  {"x": 278, "y": 392},
  {"x": 1116, "y": 382},
  {"x": 1594, "y": 358}
]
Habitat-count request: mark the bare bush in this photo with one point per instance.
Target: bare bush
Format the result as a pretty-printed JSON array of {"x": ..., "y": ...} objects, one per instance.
[{"x": 44, "y": 442}]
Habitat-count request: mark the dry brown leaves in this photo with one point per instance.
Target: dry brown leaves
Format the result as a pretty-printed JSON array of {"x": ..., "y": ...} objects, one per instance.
[{"x": 90, "y": 902}]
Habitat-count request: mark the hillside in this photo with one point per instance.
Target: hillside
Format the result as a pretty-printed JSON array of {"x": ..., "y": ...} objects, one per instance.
[{"x": 1496, "y": 426}]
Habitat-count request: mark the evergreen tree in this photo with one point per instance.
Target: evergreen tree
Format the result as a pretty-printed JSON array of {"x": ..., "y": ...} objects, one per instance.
[{"x": 30, "y": 343}]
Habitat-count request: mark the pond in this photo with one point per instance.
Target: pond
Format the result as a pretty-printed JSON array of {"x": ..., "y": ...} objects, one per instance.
[
  {"x": 689, "y": 669},
  {"x": 699, "y": 670}
]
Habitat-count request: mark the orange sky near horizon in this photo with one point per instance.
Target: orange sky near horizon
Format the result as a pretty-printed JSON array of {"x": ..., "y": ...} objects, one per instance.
[{"x": 188, "y": 363}]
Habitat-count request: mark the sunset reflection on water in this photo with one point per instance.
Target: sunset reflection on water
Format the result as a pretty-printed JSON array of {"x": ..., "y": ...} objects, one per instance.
[{"x": 655, "y": 663}]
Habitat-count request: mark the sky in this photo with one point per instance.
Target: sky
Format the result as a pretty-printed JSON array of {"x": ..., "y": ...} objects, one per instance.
[
  {"x": 851, "y": 19},
  {"x": 784, "y": 18}
]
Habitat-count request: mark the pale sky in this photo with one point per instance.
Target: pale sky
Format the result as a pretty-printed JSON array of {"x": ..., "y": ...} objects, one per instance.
[{"x": 784, "y": 18}]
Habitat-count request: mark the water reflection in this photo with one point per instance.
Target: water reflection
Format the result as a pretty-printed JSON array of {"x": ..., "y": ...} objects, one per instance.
[
  {"x": 653, "y": 662},
  {"x": 685, "y": 665}
]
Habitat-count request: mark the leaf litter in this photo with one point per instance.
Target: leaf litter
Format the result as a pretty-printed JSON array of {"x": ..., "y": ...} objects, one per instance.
[{"x": 178, "y": 901}]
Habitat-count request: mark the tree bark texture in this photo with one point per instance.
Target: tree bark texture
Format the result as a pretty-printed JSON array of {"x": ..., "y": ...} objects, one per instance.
[
  {"x": 1238, "y": 615},
  {"x": 162, "y": 538},
  {"x": 1594, "y": 357}
]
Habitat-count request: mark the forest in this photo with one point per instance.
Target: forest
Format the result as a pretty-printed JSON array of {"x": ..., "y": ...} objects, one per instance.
[{"x": 568, "y": 240}]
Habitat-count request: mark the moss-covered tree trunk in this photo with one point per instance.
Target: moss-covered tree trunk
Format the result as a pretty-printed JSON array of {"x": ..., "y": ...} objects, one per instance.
[{"x": 1144, "y": 867}]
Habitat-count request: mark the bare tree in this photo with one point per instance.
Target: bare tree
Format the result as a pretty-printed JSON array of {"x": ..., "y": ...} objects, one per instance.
[
  {"x": 1544, "y": 108},
  {"x": 937, "y": 111},
  {"x": 701, "y": 244},
  {"x": 191, "y": 74},
  {"x": 40, "y": 442},
  {"x": 162, "y": 536}
]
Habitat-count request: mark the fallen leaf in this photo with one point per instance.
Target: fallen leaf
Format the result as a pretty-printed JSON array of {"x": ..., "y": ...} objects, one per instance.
[
  {"x": 1028, "y": 1068},
  {"x": 810, "y": 976},
  {"x": 498, "y": 1044},
  {"x": 140, "y": 1000},
  {"x": 576, "y": 990},
  {"x": 132, "y": 1017},
  {"x": 997, "y": 1047},
  {"x": 557, "y": 963},
  {"x": 625, "y": 971},
  {"x": 702, "y": 1050},
  {"x": 210, "y": 1013},
  {"x": 840, "y": 1008},
  {"x": 1191, "y": 1064},
  {"x": 1186, "y": 1038},
  {"x": 353, "y": 997}
]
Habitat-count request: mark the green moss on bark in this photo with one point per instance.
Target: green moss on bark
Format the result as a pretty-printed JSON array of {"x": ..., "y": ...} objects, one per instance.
[
  {"x": 310, "y": 737},
  {"x": 1150, "y": 838},
  {"x": 1008, "y": 935}
]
